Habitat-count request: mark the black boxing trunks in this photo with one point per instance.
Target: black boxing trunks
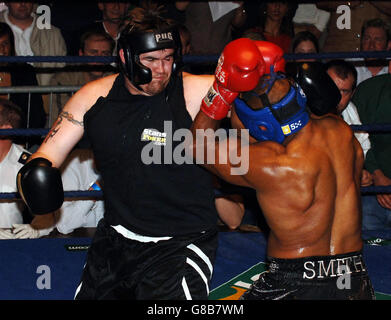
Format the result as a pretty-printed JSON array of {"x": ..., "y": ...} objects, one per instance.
[
  {"x": 337, "y": 277},
  {"x": 123, "y": 265}
]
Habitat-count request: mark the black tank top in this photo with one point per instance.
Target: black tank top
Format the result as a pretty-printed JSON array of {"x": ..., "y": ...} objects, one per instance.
[{"x": 155, "y": 199}]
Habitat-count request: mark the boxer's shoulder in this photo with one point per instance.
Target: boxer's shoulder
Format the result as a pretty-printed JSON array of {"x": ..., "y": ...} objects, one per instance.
[
  {"x": 334, "y": 124},
  {"x": 100, "y": 86},
  {"x": 86, "y": 97}
]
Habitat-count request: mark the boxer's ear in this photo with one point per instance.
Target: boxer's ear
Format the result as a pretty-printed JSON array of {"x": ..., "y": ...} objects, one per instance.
[{"x": 121, "y": 55}]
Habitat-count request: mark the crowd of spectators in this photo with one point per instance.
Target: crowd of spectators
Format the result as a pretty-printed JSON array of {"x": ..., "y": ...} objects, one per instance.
[{"x": 206, "y": 27}]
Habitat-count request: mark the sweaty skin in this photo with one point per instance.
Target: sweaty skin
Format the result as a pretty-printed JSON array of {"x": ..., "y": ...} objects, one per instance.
[{"x": 308, "y": 187}]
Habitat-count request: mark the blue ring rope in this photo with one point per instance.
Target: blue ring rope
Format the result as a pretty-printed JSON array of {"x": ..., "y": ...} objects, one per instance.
[
  {"x": 375, "y": 127},
  {"x": 94, "y": 194},
  {"x": 198, "y": 58}
]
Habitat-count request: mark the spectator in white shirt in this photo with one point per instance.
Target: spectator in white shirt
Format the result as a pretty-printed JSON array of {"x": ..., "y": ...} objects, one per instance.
[
  {"x": 344, "y": 75},
  {"x": 78, "y": 173},
  {"x": 31, "y": 39},
  {"x": 12, "y": 158}
]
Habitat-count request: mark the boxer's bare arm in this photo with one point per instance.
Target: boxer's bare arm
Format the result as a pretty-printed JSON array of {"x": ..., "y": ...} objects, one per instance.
[
  {"x": 195, "y": 88},
  {"x": 68, "y": 128},
  {"x": 226, "y": 153}
]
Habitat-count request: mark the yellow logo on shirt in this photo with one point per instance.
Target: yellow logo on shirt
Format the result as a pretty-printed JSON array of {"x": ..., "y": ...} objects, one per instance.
[{"x": 158, "y": 138}]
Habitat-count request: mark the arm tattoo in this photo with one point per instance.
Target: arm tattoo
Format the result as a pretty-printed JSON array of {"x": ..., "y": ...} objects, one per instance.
[
  {"x": 56, "y": 126},
  {"x": 70, "y": 118}
]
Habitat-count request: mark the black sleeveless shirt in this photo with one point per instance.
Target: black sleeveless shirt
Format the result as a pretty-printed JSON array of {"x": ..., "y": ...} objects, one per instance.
[{"x": 155, "y": 199}]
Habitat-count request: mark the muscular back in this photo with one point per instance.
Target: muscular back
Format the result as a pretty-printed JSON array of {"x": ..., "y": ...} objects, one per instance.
[
  {"x": 309, "y": 190},
  {"x": 308, "y": 187}
]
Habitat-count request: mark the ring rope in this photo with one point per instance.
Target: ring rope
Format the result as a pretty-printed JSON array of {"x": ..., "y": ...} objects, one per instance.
[
  {"x": 375, "y": 127},
  {"x": 95, "y": 194},
  {"x": 197, "y": 58}
]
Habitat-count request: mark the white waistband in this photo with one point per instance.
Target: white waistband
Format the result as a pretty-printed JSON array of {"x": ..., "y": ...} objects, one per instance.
[{"x": 138, "y": 237}]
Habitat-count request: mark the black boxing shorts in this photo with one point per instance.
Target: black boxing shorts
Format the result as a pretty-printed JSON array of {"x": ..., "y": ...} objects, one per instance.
[
  {"x": 122, "y": 265},
  {"x": 337, "y": 277}
]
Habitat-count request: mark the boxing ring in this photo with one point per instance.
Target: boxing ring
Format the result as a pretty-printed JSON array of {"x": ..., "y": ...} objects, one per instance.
[{"x": 50, "y": 268}]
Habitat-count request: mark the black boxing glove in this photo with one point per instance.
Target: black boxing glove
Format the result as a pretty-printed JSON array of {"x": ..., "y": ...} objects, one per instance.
[
  {"x": 322, "y": 93},
  {"x": 40, "y": 186}
]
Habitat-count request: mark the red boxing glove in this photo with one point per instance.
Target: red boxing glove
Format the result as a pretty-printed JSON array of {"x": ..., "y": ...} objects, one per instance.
[
  {"x": 240, "y": 66},
  {"x": 273, "y": 55},
  {"x": 217, "y": 101},
  {"x": 239, "y": 69}
]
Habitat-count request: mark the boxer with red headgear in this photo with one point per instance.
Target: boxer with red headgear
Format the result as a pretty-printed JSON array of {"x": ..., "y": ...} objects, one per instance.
[{"x": 306, "y": 172}]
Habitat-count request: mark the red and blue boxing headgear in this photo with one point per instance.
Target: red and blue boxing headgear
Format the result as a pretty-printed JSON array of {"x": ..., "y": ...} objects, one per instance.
[
  {"x": 137, "y": 42},
  {"x": 273, "y": 122}
]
